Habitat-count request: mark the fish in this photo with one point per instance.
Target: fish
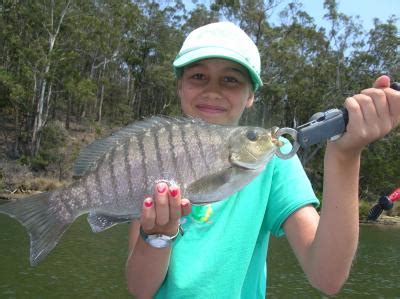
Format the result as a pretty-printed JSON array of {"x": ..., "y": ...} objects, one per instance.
[{"x": 114, "y": 175}]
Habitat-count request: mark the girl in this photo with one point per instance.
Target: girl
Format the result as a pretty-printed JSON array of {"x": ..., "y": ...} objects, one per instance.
[{"x": 223, "y": 251}]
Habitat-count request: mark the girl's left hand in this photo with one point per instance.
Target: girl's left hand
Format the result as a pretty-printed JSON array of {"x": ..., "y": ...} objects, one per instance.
[{"x": 372, "y": 114}]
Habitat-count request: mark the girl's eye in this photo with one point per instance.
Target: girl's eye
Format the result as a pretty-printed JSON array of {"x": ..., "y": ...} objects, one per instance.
[
  {"x": 230, "y": 79},
  {"x": 198, "y": 76}
]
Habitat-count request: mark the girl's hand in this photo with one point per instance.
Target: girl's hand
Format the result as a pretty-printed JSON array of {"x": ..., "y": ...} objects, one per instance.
[
  {"x": 372, "y": 114},
  {"x": 161, "y": 214}
]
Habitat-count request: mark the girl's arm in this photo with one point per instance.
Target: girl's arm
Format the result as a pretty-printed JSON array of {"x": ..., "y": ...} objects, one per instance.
[
  {"x": 147, "y": 266},
  {"x": 325, "y": 245}
]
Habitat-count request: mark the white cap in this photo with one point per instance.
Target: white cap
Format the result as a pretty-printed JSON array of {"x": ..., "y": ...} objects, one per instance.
[{"x": 221, "y": 40}]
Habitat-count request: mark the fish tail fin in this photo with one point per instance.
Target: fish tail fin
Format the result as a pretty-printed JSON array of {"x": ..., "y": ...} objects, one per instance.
[{"x": 42, "y": 222}]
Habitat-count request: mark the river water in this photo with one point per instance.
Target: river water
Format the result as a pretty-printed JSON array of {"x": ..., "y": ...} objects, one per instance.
[{"x": 87, "y": 265}]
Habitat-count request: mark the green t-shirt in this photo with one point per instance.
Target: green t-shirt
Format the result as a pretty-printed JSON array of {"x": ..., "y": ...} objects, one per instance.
[{"x": 223, "y": 251}]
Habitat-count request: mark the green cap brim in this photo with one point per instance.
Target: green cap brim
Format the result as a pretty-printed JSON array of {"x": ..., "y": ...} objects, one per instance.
[{"x": 186, "y": 58}]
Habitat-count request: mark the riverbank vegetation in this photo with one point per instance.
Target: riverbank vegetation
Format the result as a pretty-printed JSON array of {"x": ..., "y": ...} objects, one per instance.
[{"x": 73, "y": 71}]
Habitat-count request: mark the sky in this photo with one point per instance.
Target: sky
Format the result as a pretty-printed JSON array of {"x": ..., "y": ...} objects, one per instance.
[{"x": 366, "y": 9}]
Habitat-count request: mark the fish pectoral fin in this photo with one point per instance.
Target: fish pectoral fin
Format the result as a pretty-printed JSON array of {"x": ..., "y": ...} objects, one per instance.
[
  {"x": 220, "y": 185},
  {"x": 211, "y": 183},
  {"x": 101, "y": 222}
]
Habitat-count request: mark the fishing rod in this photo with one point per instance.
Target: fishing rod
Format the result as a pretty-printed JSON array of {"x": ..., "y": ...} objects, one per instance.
[
  {"x": 331, "y": 124},
  {"x": 384, "y": 203},
  {"x": 322, "y": 126}
]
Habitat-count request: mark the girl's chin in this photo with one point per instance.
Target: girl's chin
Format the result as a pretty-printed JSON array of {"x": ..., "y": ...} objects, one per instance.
[{"x": 209, "y": 114}]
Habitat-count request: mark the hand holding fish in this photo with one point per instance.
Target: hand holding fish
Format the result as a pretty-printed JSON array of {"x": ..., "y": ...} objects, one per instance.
[
  {"x": 161, "y": 214},
  {"x": 373, "y": 113}
]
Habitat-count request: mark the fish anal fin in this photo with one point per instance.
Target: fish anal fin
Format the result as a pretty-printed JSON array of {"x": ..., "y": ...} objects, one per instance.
[{"x": 100, "y": 222}]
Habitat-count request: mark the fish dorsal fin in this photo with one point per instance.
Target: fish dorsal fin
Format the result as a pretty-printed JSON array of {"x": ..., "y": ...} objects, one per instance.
[{"x": 94, "y": 152}]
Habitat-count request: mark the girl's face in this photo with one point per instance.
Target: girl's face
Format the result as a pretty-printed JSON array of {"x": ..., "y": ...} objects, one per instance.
[{"x": 215, "y": 90}]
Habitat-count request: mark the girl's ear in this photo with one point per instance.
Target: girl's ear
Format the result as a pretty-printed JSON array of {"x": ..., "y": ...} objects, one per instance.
[{"x": 250, "y": 100}]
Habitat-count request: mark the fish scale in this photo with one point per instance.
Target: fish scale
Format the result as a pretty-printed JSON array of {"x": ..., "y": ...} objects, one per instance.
[{"x": 114, "y": 175}]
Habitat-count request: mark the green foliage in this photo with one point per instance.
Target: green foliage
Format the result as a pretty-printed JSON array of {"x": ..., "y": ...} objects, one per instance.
[
  {"x": 51, "y": 152},
  {"x": 380, "y": 172},
  {"x": 320, "y": 198},
  {"x": 97, "y": 129},
  {"x": 364, "y": 208},
  {"x": 2, "y": 183},
  {"x": 11, "y": 92},
  {"x": 110, "y": 64}
]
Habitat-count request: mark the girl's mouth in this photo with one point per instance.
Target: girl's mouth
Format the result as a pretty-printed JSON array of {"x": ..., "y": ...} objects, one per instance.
[{"x": 210, "y": 108}]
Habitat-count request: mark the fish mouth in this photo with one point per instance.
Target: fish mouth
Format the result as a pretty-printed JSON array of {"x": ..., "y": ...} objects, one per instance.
[
  {"x": 275, "y": 139},
  {"x": 277, "y": 142}
]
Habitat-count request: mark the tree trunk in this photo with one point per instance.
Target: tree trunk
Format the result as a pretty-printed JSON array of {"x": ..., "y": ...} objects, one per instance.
[
  {"x": 38, "y": 120},
  {"x": 101, "y": 103},
  {"x": 102, "y": 92},
  {"x": 67, "y": 117},
  {"x": 17, "y": 132},
  {"x": 44, "y": 101}
]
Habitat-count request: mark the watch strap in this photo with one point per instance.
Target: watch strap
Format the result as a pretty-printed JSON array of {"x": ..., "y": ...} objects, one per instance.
[{"x": 160, "y": 240}]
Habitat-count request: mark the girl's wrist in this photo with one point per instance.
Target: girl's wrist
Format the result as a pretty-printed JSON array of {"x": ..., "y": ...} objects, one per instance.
[
  {"x": 168, "y": 230},
  {"x": 340, "y": 155}
]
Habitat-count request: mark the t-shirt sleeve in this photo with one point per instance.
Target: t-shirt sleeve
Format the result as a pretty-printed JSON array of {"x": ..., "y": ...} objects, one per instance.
[{"x": 290, "y": 190}]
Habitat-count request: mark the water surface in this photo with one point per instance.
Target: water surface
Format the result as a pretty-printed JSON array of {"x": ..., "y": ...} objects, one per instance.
[
  {"x": 88, "y": 265},
  {"x": 375, "y": 273}
]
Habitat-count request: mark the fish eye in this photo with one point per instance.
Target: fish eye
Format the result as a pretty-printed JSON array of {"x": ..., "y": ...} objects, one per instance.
[{"x": 252, "y": 135}]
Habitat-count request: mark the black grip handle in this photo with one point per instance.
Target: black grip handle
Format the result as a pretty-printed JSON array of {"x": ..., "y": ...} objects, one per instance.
[
  {"x": 330, "y": 124},
  {"x": 395, "y": 86}
]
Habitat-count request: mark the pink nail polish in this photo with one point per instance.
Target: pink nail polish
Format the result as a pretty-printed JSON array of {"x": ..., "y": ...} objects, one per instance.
[
  {"x": 184, "y": 204},
  {"x": 148, "y": 203},
  {"x": 161, "y": 188},
  {"x": 174, "y": 191}
]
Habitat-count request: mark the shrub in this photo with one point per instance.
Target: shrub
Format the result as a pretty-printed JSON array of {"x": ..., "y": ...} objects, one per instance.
[
  {"x": 364, "y": 207},
  {"x": 42, "y": 184},
  {"x": 2, "y": 183},
  {"x": 53, "y": 141}
]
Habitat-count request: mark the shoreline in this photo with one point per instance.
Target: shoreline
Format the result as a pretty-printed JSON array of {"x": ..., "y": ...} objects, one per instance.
[{"x": 383, "y": 220}]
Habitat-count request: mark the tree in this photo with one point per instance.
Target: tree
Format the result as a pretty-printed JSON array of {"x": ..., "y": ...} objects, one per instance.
[{"x": 53, "y": 19}]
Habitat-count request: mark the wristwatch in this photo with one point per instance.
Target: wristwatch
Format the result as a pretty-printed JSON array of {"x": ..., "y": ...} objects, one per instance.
[{"x": 160, "y": 240}]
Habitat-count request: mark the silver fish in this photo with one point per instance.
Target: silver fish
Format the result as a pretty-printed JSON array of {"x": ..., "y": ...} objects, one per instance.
[{"x": 209, "y": 162}]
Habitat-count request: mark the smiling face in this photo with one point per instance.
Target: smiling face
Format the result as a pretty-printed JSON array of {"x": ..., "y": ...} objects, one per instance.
[{"x": 215, "y": 90}]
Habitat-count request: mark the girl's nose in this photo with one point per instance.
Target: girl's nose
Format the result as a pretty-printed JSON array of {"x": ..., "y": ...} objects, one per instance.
[{"x": 213, "y": 90}]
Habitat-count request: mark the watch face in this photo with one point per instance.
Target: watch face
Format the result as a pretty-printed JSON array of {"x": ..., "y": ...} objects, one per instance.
[{"x": 159, "y": 242}]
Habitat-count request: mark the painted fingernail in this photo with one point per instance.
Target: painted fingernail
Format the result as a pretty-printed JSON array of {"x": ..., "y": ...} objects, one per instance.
[
  {"x": 174, "y": 191},
  {"x": 161, "y": 188},
  {"x": 148, "y": 203},
  {"x": 184, "y": 204}
]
